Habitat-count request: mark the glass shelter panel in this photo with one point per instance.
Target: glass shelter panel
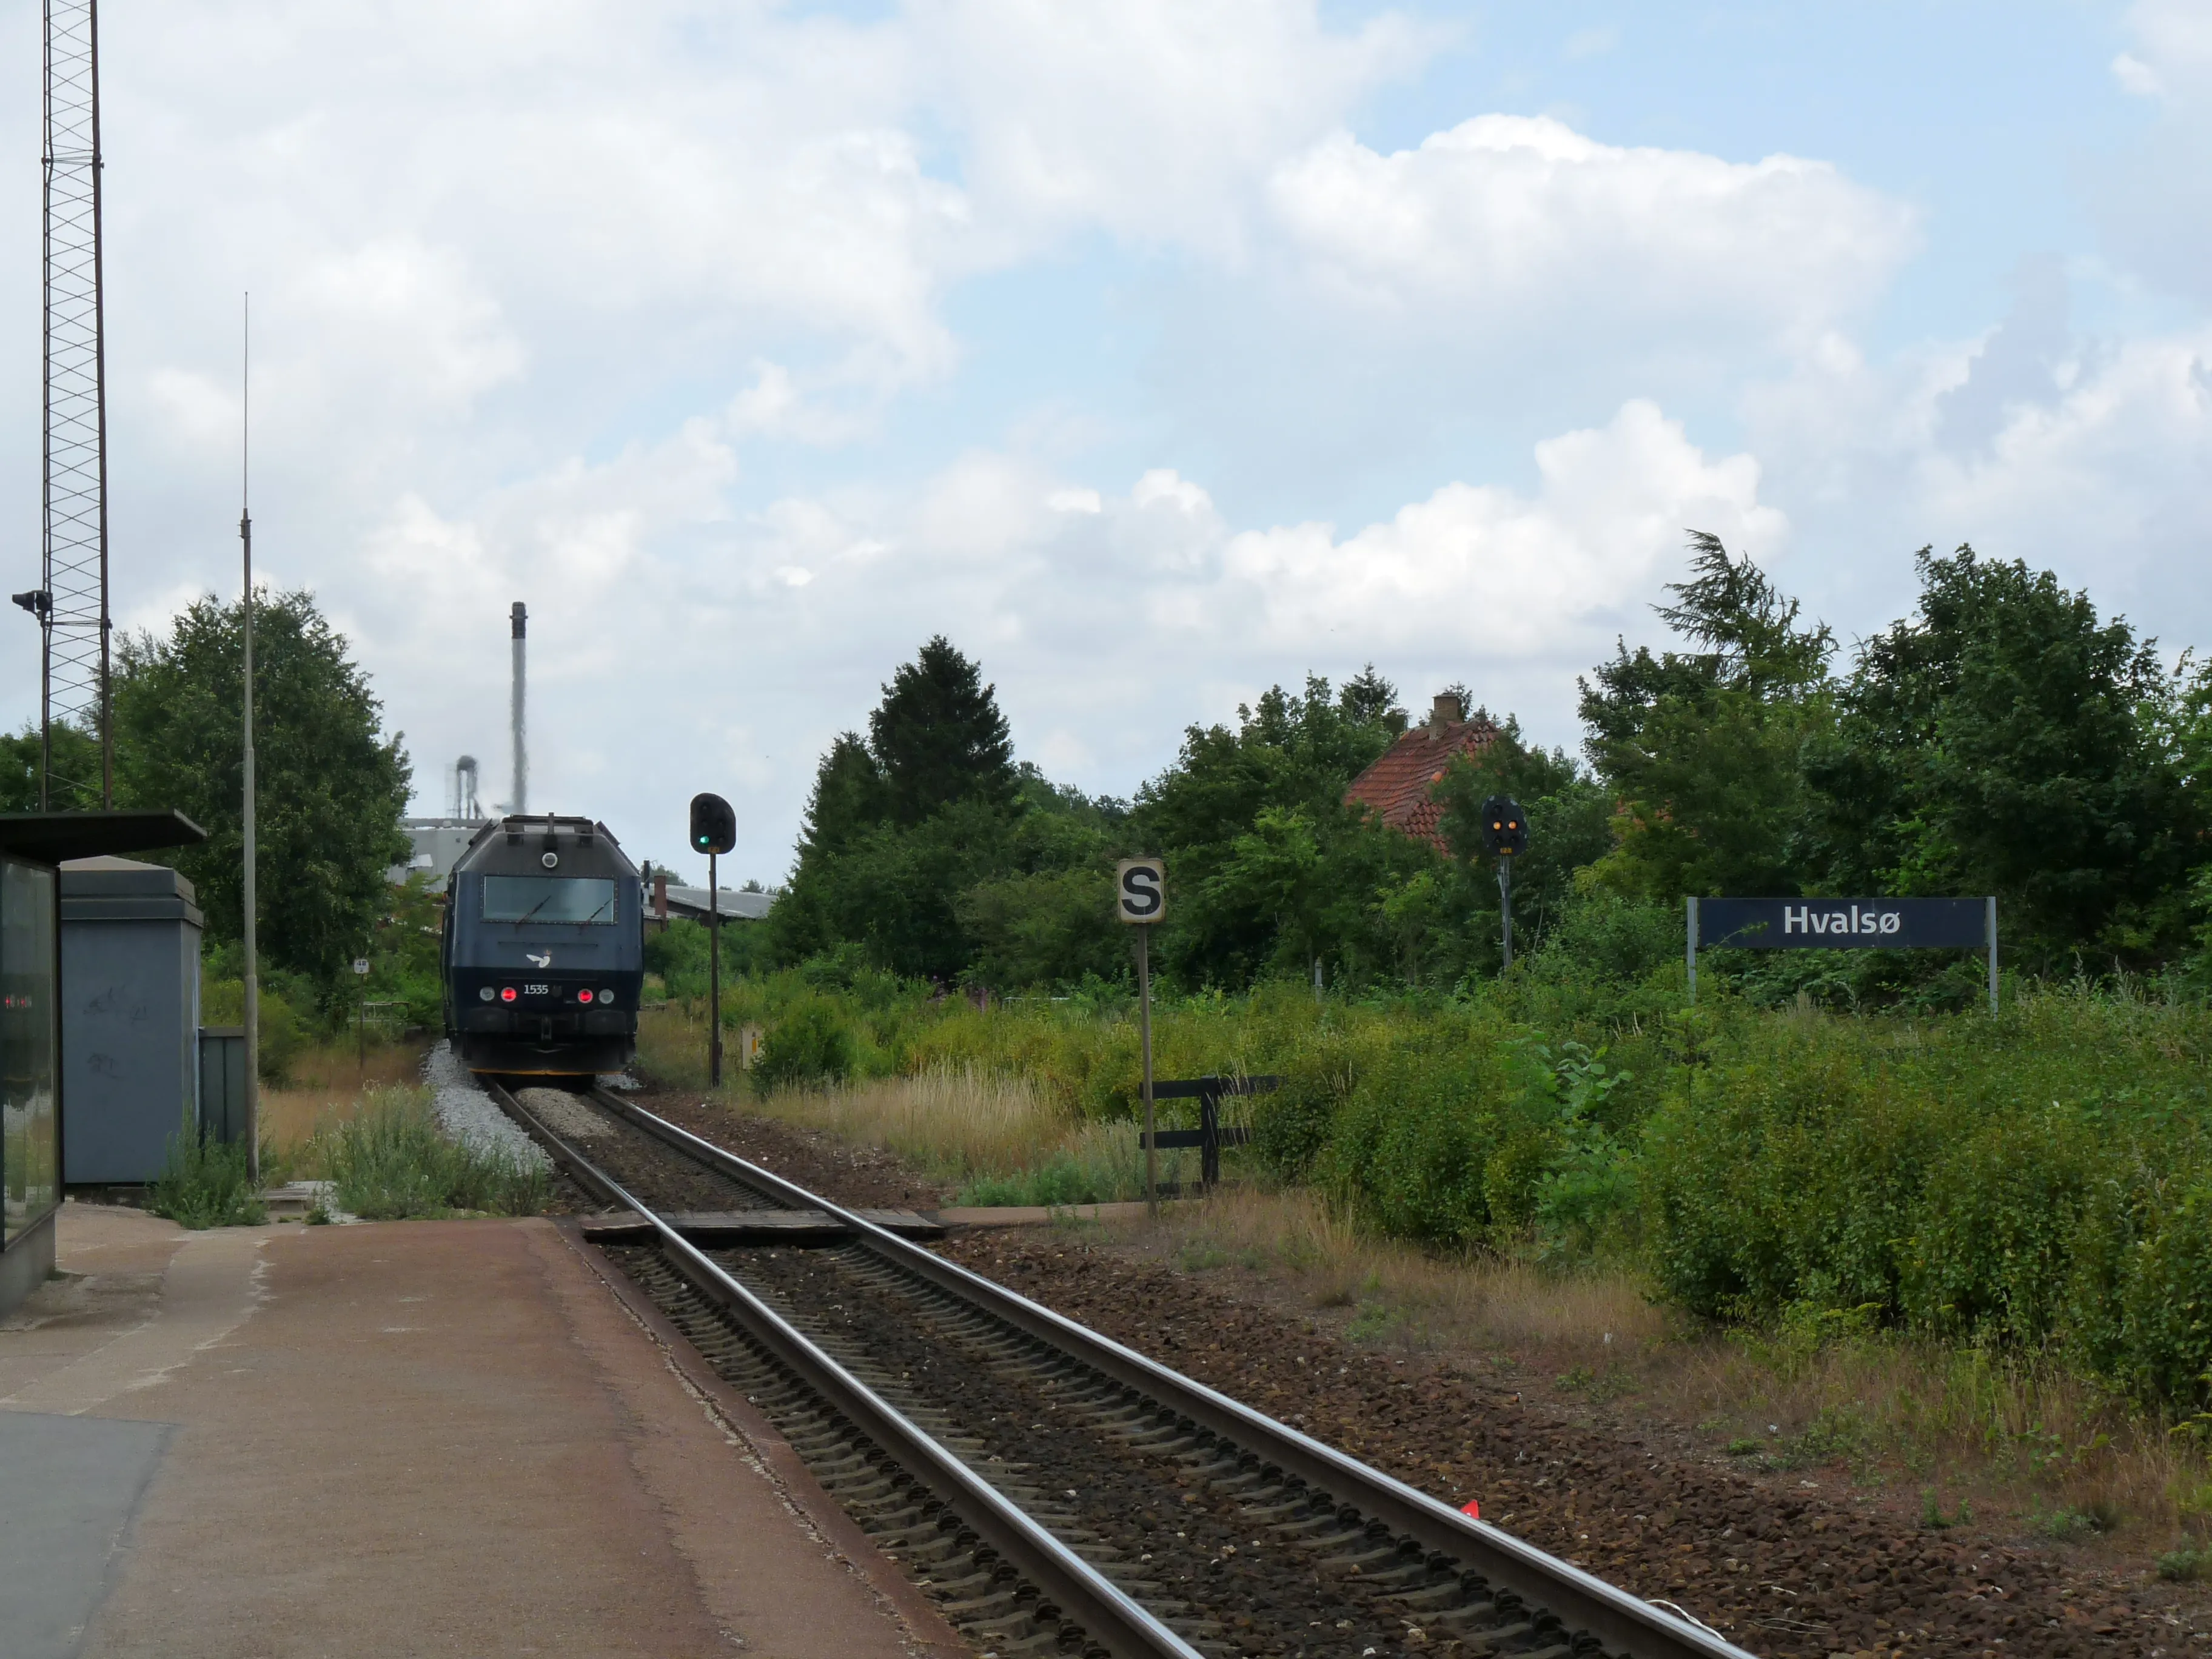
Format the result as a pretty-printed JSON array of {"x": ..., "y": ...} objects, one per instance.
[{"x": 30, "y": 1138}]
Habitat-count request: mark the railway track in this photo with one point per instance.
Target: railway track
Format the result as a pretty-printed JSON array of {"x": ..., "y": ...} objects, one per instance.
[{"x": 1051, "y": 1490}]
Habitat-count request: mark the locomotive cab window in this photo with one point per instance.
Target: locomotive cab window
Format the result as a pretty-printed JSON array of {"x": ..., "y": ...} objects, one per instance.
[{"x": 571, "y": 899}]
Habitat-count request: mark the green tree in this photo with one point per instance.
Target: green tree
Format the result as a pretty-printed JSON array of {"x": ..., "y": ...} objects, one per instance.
[
  {"x": 2007, "y": 740},
  {"x": 1266, "y": 865},
  {"x": 75, "y": 780},
  {"x": 929, "y": 848},
  {"x": 1700, "y": 750},
  {"x": 938, "y": 736},
  {"x": 330, "y": 787},
  {"x": 849, "y": 795}
]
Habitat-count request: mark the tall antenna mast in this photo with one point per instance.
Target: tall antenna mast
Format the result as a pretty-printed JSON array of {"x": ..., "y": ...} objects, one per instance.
[
  {"x": 246, "y": 897},
  {"x": 72, "y": 603}
]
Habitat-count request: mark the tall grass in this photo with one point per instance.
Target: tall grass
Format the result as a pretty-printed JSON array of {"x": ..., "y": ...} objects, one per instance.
[
  {"x": 389, "y": 1161},
  {"x": 205, "y": 1183},
  {"x": 1002, "y": 1139},
  {"x": 325, "y": 1083}
]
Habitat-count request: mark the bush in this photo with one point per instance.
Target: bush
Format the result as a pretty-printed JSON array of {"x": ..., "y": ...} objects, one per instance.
[
  {"x": 2000, "y": 1221},
  {"x": 390, "y": 1162},
  {"x": 282, "y": 1032},
  {"x": 810, "y": 1044},
  {"x": 1790, "y": 1176},
  {"x": 2166, "y": 1337},
  {"x": 205, "y": 1183},
  {"x": 1290, "y": 1125},
  {"x": 1413, "y": 1145}
]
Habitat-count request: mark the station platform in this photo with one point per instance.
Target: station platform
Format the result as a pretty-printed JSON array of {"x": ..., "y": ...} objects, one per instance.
[{"x": 407, "y": 1437}]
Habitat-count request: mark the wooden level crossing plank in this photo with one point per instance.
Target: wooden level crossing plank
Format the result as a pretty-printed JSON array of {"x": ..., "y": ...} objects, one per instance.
[{"x": 746, "y": 1226}]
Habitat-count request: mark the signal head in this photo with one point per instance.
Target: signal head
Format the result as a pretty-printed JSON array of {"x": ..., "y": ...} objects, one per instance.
[
  {"x": 1505, "y": 827},
  {"x": 714, "y": 824}
]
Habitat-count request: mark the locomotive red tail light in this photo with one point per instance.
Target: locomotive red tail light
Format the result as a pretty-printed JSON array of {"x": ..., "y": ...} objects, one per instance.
[
  {"x": 583, "y": 996},
  {"x": 507, "y": 993}
]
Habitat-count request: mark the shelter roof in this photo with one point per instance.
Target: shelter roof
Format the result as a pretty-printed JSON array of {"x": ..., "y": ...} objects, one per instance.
[{"x": 53, "y": 838}]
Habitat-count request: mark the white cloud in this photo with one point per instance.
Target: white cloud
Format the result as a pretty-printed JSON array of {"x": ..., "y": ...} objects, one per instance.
[
  {"x": 2136, "y": 77},
  {"x": 1477, "y": 571},
  {"x": 1506, "y": 222},
  {"x": 1152, "y": 118},
  {"x": 2088, "y": 457},
  {"x": 2174, "y": 38}
]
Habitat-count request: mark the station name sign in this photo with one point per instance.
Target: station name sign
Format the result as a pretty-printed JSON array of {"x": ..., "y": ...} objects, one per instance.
[{"x": 1840, "y": 923}]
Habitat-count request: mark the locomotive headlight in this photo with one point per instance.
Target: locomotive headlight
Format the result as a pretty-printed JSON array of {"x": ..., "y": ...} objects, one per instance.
[
  {"x": 483, "y": 993},
  {"x": 507, "y": 993},
  {"x": 606, "y": 995}
]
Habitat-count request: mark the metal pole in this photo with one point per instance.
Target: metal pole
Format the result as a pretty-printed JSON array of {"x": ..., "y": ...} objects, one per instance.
[
  {"x": 1693, "y": 952},
  {"x": 1506, "y": 905},
  {"x": 100, "y": 396},
  {"x": 248, "y": 899},
  {"x": 1991, "y": 929},
  {"x": 1144, "y": 1042},
  {"x": 713, "y": 978},
  {"x": 46, "y": 448}
]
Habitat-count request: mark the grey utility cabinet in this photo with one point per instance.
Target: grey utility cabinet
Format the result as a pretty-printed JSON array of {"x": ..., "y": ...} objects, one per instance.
[{"x": 131, "y": 1005}]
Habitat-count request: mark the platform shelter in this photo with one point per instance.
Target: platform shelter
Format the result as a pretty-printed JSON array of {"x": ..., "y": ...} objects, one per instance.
[{"x": 34, "y": 1108}]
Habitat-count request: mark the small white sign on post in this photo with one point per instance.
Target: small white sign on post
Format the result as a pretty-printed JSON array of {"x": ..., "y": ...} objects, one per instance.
[
  {"x": 361, "y": 964},
  {"x": 1141, "y": 891},
  {"x": 1140, "y": 897}
]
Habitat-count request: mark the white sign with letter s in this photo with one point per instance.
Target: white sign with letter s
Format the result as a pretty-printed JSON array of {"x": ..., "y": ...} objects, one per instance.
[{"x": 1141, "y": 891}]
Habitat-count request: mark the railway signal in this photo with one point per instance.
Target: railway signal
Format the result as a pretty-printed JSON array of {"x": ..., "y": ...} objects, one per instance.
[
  {"x": 714, "y": 825},
  {"x": 1140, "y": 898},
  {"x": 713, "y": 832},
  {"x": 1504, "y": 834}
]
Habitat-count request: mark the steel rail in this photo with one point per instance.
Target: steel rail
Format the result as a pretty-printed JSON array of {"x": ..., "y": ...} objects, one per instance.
[
  {"x": 1623, "y": 1622},
  {"x": 1074, "y": 1590}
]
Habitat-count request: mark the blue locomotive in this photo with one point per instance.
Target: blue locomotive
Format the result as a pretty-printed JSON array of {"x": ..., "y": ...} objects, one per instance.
[{"x": 544, "y": 948}]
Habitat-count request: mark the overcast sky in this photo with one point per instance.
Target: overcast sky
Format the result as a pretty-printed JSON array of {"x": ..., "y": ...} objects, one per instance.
[{"x": 1155, "y": 350}]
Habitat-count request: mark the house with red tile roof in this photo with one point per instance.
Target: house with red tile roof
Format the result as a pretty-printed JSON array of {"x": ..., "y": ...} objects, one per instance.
[{"x": 1395, "y": 789}]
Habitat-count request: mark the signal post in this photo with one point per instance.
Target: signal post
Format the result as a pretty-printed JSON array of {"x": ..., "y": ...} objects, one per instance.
[
  {"x": 1140, "y": 899},
  {"x": 1505, "y": 833},
  {"x": 713, "y": 832}
]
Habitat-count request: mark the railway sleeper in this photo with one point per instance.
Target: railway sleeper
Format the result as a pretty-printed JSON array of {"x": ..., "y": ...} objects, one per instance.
[{"x": 1425, "y": 1593}]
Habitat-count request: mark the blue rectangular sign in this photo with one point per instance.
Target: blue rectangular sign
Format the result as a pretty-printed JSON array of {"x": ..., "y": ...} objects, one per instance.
[{"x": 1841, "y": 924}]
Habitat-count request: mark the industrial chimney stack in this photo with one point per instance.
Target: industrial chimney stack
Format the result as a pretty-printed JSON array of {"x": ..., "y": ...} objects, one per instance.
[{"x": 519, "y": 618}]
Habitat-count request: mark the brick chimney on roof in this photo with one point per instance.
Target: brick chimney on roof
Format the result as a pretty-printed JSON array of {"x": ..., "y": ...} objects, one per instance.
[{"x": 1446, "y": 712}]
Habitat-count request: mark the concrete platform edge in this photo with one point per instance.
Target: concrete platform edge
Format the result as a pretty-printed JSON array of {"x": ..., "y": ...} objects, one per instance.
[
  {"x": 925, "y": 1626},
  {"x": 28, "y": 1263}
]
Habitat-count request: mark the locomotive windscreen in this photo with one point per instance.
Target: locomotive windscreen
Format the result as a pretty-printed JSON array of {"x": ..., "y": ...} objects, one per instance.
[{"x": 572, "y": 899}]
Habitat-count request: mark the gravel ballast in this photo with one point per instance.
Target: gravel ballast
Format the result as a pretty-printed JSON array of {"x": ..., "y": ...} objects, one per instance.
[{"x": 465, "y": 1112}]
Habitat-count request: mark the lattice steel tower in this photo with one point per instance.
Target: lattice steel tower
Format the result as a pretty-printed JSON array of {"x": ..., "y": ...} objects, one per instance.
[{"x": 74, "y": 680}]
